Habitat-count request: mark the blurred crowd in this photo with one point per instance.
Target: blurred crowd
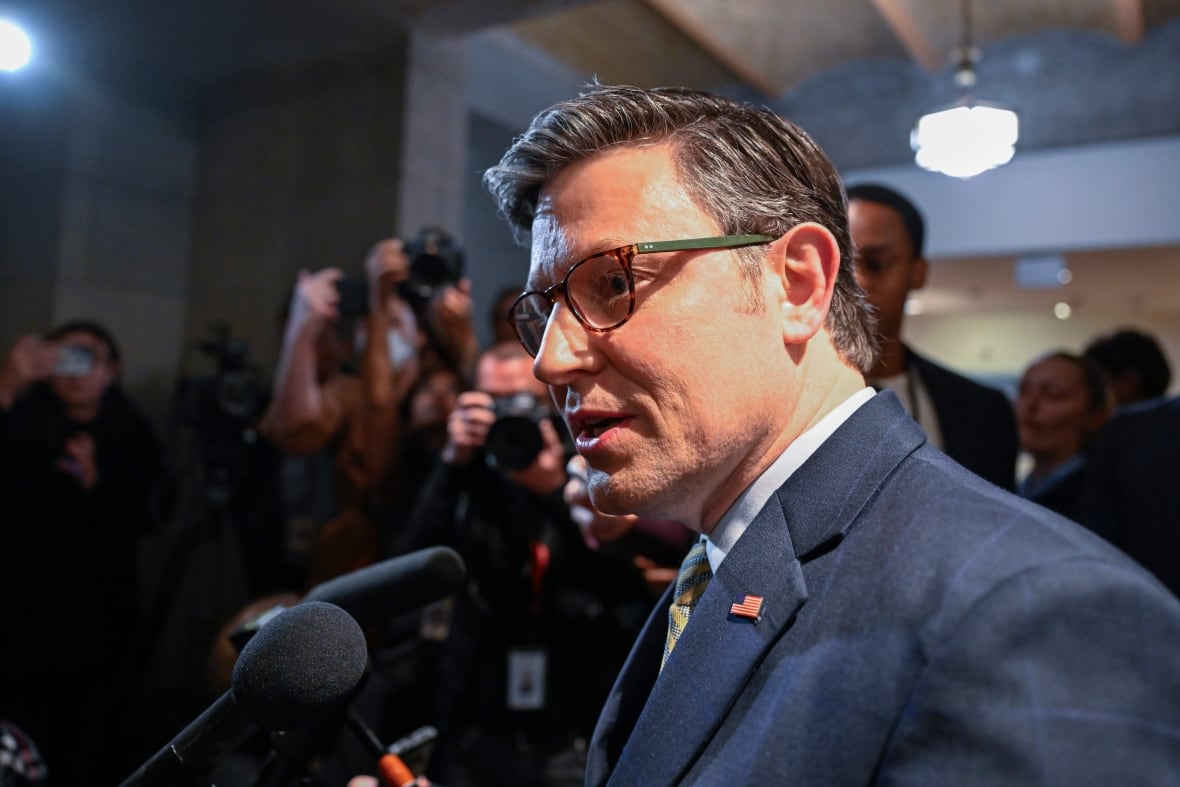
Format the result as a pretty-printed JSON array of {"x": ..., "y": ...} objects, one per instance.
[{"x": 387, "y": 429}]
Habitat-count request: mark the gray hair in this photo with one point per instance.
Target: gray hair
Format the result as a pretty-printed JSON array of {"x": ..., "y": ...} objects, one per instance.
[{"x": 750, "y": 169}]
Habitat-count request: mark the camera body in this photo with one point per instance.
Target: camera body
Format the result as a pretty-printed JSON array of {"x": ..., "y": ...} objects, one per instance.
[
  {"x": 435, "y": 262},
  {"x": 354, "y": 297},
  {"x": 514, "y": 440}
]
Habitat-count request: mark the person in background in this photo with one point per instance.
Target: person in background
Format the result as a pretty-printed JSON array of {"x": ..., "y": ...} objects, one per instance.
[
  {"x": 1132, "y": 497},
  {"x": 80, "y": 481},
  {"x": 440, "y": 296},
  {"x": 971, "y": 422},
  {"x": 1062, "y": 402},
  {"x": 498, "y": 322},
  {"x": 350, "y": 423},
  {"x": 427, "y": 412},
  {"x": 860, "y": 609},
  {"x": 1135, "y": 364},
  {"x": 531, "y": 646}
]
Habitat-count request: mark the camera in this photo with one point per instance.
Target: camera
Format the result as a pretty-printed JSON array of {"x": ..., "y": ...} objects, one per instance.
[
  {"x": 435, "y": 262},
  {"x": 515, "y": 438},
  {"x": 73, "y": 361},
  {"x": 354, "y": 297},
  {"x": 238, "y": 391}
]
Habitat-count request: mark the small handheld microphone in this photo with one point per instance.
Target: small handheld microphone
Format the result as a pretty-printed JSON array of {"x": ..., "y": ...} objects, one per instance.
[{"x": 304, "y": 664}]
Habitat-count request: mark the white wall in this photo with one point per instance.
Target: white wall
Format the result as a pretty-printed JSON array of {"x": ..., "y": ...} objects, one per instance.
[
  {"x": 1090, "y": 197},
  {"x": 1110, "y": 196}
]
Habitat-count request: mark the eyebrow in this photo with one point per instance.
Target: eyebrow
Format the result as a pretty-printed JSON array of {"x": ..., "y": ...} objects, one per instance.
[{"x": 603, "y": 246}]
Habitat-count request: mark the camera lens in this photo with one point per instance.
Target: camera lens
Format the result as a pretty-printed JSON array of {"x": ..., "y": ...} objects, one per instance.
[{"x": 514, "y": 442}]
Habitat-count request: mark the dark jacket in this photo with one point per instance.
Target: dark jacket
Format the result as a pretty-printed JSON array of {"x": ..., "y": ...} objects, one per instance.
[
  {"x": 977, "y": 423},
  {"x": 919, "y": 626},
  {"x": 1133, "y": 487}
]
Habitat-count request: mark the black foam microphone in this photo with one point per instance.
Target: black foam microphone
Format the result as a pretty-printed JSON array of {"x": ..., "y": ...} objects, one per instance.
[
  {"x": 302, "y": 665},
  {"x": 374, "y": 594}
]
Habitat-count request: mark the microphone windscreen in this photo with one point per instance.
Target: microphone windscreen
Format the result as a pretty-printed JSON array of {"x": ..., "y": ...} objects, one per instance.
[
  {"x": 375, "y": 594},
  {"x": 300, "y": 666}
]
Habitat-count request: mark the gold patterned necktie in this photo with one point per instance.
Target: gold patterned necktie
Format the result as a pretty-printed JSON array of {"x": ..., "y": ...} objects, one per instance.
[{"x": 695, "y": 573}]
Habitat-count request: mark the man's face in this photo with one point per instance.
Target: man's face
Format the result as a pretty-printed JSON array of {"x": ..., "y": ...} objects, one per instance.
[
  {"x": 886, "y": 267},
  {"x": 677, "y": 410},
  {"x": 499, "y": 377}
]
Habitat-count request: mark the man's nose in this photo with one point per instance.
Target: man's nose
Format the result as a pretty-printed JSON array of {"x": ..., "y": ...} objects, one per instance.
[{"x": 564, "y": 347}]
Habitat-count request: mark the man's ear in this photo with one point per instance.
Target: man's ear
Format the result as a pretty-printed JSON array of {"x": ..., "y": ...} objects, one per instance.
[
  {"x": 807, "y": 262},
  {"x": 918, "y": 270}
]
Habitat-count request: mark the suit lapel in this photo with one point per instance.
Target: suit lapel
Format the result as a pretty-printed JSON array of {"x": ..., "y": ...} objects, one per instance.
[
  {"x": 718, "y": 652},
  {"x": 715, "y": 656}
]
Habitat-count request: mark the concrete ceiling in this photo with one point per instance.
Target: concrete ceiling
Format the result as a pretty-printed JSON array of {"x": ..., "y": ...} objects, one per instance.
[
  {"x": 774, "y": 46},
  {"x": 1080, "y": 71}
]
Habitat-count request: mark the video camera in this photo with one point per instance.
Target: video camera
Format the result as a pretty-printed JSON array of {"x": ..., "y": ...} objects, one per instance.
[{"x": 221, "y": 410}]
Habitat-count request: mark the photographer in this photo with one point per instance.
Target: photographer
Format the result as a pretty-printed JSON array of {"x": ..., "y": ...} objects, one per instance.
[
  {"x": 80, "y": 469},
  {"x": 537, "y": 637},
  {"x": 441, "y": 299},
  {"x": 339, "y": 428}
]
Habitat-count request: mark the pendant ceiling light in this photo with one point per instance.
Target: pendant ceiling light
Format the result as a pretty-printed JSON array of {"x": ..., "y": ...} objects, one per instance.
[{"x": 969, "y": 136}]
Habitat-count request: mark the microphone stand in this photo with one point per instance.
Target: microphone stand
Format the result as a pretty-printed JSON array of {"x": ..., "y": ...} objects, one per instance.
[
  {"x": 391, "y": 769},
  {"x": 287, "y": 763}
]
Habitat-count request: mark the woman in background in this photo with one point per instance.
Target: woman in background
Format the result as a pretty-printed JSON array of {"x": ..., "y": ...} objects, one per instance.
[{"x": 1063, "y": 401}]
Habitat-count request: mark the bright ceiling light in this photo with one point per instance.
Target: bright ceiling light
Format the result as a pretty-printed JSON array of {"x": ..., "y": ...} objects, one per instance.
[
  {"x": 965, "y": 140},
  {"x": 968, "y": 137},
  {"x": 15, "y": 47}
]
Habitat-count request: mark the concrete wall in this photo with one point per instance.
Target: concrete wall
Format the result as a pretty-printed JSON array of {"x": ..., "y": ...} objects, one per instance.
[
  {"x": 298, "y": 169},
  {"x": 98, "y": 225},
  {"x": 33, "y": 124}
]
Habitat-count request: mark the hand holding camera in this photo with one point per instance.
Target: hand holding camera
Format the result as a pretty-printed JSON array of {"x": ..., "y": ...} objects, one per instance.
[
  {"x": 33, "y": 358},
  {"x": 467, "y": 427},
  {"x": 316, "y": 300},
  {"x": 78, "y": 460},
  {"x": 546, "y": 473},
  {"x": 516, "y": 433},
  {"x": 386, "y": 268}
]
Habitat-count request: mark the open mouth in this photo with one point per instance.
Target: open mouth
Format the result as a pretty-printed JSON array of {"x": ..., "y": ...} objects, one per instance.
[{"x": 596, "y": 427}]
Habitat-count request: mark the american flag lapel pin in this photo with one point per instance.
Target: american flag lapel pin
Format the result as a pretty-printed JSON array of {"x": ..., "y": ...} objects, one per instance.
[{"x": 747, "y": 606}]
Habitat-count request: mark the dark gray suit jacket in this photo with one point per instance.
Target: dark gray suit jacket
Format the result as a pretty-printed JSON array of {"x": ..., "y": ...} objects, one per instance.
[{"x": 921, "y": 626}]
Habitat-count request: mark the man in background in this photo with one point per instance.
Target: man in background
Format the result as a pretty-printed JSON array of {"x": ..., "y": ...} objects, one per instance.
[
  {"x": 1134, "y": 362},
  {"x": 971, "y": 422}
]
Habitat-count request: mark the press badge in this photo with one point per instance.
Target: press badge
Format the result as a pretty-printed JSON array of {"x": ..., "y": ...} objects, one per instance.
[{"x": 526, "y": 679}]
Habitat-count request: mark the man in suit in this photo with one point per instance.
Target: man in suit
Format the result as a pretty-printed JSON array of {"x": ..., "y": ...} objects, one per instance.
[
  {"x": 871, "y": 612},
  {"x": 1132, "y": 497},
  {"x": 971, "y": 422}
]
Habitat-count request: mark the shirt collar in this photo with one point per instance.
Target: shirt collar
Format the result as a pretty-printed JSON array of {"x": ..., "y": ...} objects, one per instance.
[{"x": 739, "y": 516}]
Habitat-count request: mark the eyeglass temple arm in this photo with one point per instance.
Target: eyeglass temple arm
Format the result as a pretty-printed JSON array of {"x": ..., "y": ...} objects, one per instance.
[{"x": 719, "y": 242}]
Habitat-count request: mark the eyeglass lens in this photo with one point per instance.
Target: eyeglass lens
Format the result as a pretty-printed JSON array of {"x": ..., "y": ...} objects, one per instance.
[{"x": 598, "y": 291}]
